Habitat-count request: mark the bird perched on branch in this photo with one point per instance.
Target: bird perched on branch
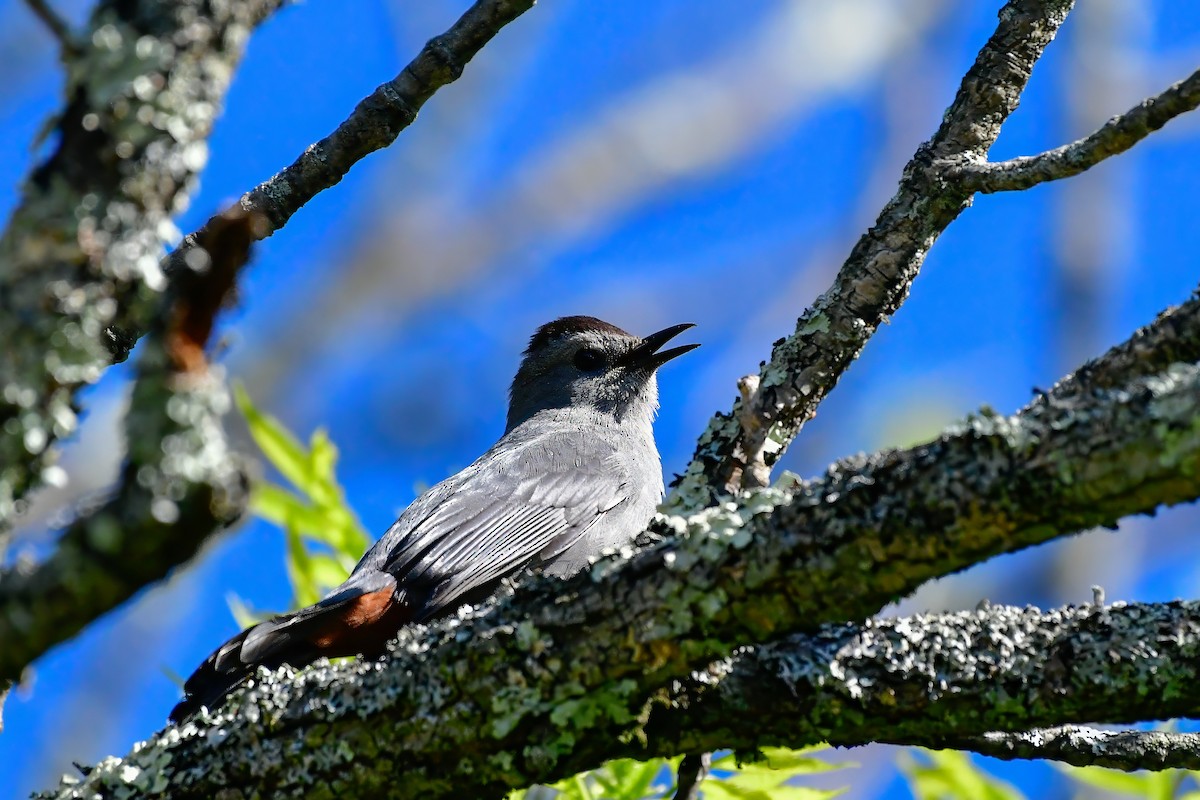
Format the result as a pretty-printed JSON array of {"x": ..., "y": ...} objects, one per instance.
[{"x": 576, "y": 472}]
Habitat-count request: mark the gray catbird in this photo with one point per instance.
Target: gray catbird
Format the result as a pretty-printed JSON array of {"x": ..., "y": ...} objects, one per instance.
[{"x": 576, "y": 472}]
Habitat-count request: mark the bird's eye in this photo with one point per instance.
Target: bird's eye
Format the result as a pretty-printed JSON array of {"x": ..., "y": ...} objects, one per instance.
[{"x": 589, "y": 360}]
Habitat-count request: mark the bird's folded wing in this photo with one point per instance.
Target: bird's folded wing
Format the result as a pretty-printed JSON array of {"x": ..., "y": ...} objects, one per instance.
[{"x": 497, "y": 517}]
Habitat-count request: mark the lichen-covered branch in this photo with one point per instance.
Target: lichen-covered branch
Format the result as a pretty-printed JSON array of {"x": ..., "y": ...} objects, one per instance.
[
  {"x": 1173, "y": 337},
  {"x": 739, "y": 448},
  {"x": 1113, "y": 138},
  {"x": 1082, "y": 746},
  {"x": 962, "y": 680},
  {"x": 579, "y": 659},
  {"x": 352, "y": 729},
  {"x": 180, "y": 483},
  {"x": 82, "y": 248},
  {"x": 95, "y": 216}
]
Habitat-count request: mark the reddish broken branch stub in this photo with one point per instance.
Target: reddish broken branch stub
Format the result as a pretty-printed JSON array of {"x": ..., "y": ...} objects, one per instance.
[{"x": 207, "y": 283}]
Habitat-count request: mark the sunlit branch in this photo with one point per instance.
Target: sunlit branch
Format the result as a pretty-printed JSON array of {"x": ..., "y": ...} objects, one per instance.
[
  {"x": 1113, "y": 138},
  {"x": 1082, "y": 746}
]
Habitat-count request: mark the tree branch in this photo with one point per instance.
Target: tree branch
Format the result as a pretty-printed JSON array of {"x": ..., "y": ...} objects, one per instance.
[
  {"x": 373, "y": 125},
  {"x": 1114, "y": 137},
  {"x": 82, "y": 248},
  {"x": 180, "y": 482},
  {"x": 693, "y": 769},
  {"x": 955, "y": 680},
  {"x": 1087, "y": 747},
  {"x": 99, "y": 314},
  {"x": 739, "y": 448},
  {"x": 68, "y": 47},
  {"x": 906, "y": 680},
  {"x": 1173, "y": 337},
  {"x": 581, "y": 657}
]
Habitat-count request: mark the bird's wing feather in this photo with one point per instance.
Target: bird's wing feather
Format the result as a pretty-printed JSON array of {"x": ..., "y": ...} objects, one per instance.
[{"x": 501, "y": 513}]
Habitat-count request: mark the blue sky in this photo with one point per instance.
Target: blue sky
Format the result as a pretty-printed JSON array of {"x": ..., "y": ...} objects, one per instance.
[{"x": 648, "y": 162}]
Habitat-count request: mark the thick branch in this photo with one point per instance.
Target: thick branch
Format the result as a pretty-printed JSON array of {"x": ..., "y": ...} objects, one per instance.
[
  {"x": 179, "y": 485},
  {"x": 96, "y": 316},
  {"x": 1173, "y": 337},
  {"x": 1089, "y": 747},
  {"x": 1113, "y": 138},
  {"x": 959, "y": 680},
  {"x": 738, "y": 449},
  {"x": 82, "y": 248},
  {"x": 905, "y": 680},
  {"x": 579, "y": 658}
]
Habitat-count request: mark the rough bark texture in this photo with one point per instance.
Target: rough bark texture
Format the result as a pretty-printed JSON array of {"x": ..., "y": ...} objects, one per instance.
[
  {"x": 908, "y": 680},
  {"x": 727, "y": 627},
  {"x": 942, "y": 680},
  {"x": 82, "y": 249},
  {"x": 1116, "y": 136},
  {"x": 555, "y": 675},
  {"x": 739, "y": 448},
  {"x": 180, "y": 482},
  {"x": 1089, "y": 747}
]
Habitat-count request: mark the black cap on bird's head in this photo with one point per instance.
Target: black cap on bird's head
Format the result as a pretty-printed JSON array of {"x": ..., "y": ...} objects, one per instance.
[{"x": 587, "y": 363}]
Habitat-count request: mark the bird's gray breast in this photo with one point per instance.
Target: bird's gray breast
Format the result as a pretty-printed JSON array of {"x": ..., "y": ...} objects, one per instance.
[{"x": 637, "y": 463}]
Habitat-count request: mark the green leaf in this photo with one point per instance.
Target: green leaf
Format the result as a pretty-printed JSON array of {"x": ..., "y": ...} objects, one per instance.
[
  {"x": 300, "y": 569},
  {"x": 279, "y": 506},
  {"x": 952, "y": 774},
  {"x": 1113, "y": 780},
  {"x": 275, "y": 441},
  {"x": 762, "y": 784},
  {"x": 315, "y": 515},
  {"x": 242, "y": 613},
  {"x": 327, "y": 572},
  {"x": 798, "y": 762}
]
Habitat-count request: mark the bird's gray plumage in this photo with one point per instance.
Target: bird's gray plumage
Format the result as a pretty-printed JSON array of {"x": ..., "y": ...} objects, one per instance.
[{"x": 576, "y": 472}]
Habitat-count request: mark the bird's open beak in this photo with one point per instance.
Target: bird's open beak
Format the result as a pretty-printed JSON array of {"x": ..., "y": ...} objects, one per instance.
[{"x": 647, "y": 356}]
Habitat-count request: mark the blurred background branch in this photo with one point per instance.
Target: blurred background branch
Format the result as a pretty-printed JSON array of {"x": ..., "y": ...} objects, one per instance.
[
  {"x": 180, "y": 483},
  {"x": 374, "y": 124},
  {"x": 57, "y": 27},
  {"x": 82, "y": 247}
]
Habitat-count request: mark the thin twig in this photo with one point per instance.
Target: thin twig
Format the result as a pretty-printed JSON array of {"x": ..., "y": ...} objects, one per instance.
[
  {"x": 1113, "y": 138},
  {"x": 373, "y": 125},
  {"x": 1086, "y": 747},
  {"x": 57, "y": 26},
  {"x": 905, "y": 680}
]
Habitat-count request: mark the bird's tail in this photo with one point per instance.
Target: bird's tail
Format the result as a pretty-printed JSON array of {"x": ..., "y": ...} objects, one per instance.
[{"x": 360, "y": 623}]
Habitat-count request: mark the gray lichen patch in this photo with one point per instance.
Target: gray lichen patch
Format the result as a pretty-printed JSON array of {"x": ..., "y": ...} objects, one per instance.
[{"x": 81, "y": 254}]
